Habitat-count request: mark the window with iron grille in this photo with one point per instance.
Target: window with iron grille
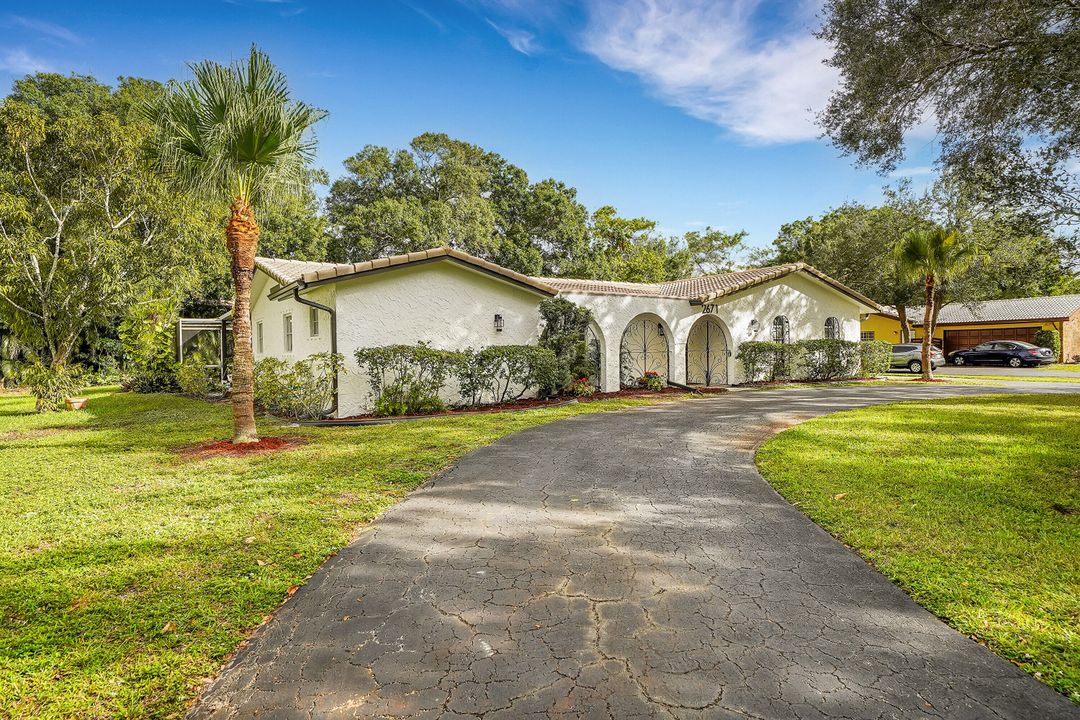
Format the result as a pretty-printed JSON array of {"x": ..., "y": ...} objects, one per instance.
[
  {"x": 832, "y": 329},
  {"x": 780, "y": 329}
]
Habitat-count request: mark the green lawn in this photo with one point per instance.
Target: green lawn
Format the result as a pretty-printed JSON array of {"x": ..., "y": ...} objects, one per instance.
[
  {"x": 127, "y": 573},
  {"x": 1071, "y": 367},
  {"x": 972, "y": 505}
]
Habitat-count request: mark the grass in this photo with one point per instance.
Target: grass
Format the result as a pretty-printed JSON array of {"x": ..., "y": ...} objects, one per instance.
[
  {"x": 128, "y": 574},
  {"x": 972, "y": 505},
  {"x": 1013, "y": 378},
  {"x": 1071, "y": 367}
]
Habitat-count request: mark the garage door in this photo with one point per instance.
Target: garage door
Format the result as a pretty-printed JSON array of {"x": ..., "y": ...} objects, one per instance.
[{"x": 964, "y": 339}]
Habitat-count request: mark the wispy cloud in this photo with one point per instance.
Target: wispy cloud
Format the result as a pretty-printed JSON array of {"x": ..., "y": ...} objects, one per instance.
[
  {"x": 521, "y": 40},
  {"x": 19, "y": 62},
  {"x": 426, "y": 15},
  {"x": 707, "y": 59},
  {"x": 49, "y": 30},
  {"x": 911, "y": 172}
]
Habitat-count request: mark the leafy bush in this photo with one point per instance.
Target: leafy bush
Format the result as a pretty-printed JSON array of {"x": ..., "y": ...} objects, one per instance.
[
  {"x": 1049, "y": 339},
  {"x": 651, "y": 381},
  {"x": 407, "y": 379},
  {"x": 148, "y": 336},
  {"x": 874, "y": 358},
  {"x": 512, "y": 370},
  {"x": 582, "y": 387},
  {"x": 828, "y": 359},
  {"x": 301, "y": 391},
  {"x": 768, "y": 360},
  {"x": 564, "y": 333},
  {"x": 194, "y": 378},
  {"x": 50, "y": 386}
]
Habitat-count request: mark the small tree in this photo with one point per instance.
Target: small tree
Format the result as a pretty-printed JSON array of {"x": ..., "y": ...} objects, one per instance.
[
  {"x": 565, "y": 327},
  {"x": 933, "y": 256},
  {"x": 234, "y": 134}
]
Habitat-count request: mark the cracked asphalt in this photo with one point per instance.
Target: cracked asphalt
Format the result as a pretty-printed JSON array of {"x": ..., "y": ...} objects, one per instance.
[{"x": 620, "y": 565}]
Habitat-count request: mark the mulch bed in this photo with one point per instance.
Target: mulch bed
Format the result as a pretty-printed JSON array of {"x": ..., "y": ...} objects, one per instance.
[{"x": 225, "y": 448}]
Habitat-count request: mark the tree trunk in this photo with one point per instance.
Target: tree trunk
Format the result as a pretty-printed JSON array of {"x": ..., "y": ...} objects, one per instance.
[
  {"x": 928, "y": 330},
  {"x": 905, "y": 329},
  {"x": 242, "y": 240}
]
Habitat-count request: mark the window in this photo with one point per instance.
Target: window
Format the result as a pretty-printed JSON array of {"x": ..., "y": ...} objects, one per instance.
[
  {"x": 286, "y": 322},
  {"x": 259, "y": 337},
  {"x": 313, "y": 322},
  {"x": 780, "y": 329},
  {"x": 866, "y": 335},
  {"x": 832, "y": 329}
]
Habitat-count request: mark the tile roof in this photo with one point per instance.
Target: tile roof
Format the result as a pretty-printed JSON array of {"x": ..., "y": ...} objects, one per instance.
[
  {"x": 287, "y": 272},
  {"x": 1052, "y": 307},
  {"x": 703, "y": 289}
]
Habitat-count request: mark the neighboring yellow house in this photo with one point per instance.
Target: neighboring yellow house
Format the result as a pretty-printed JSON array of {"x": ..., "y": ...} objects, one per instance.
[{"x": 964, "y": 325}]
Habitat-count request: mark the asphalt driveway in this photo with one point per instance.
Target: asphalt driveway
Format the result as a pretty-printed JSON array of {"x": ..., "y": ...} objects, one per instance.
[
  {"x": 1001, "y": 370},
  {"x": 620, "y": 565}
]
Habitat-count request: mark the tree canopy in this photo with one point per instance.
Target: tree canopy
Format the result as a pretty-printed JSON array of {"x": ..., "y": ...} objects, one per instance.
[
  {"x": 999, "y": 79},
  {"x": 86, "y": 224}
]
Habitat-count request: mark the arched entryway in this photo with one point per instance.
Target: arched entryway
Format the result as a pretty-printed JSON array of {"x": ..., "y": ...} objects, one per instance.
[
  {"x": 644, "y": 349},
  {"x": 707, "y": 353}
]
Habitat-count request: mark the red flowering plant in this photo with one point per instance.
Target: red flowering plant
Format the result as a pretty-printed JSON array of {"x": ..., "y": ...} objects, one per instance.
[
  {"x": 582, "y": 388},
  {"x": 651, "y": 381}
]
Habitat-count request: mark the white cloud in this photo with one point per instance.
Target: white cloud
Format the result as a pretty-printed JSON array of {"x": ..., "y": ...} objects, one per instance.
[
  {"x": 47, "y": 29},
  {"x": 19, "y": 62},
  {"x": 521, "y": 40},
  {"x": 706, "y": 59}
]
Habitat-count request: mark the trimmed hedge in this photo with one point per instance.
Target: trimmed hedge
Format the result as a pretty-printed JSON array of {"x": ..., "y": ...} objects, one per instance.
[
  {"x": 816, "y": 360},
  {"x": 303, "y": 390}
]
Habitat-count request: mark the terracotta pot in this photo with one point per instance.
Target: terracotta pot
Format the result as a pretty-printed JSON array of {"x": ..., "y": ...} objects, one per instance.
[{"x": 76, "y": 403}]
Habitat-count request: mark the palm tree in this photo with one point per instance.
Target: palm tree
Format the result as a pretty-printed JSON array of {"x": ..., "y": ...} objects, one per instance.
[
  {"x": 233, "y": 134},
  {"x": 932, "y": 256}
]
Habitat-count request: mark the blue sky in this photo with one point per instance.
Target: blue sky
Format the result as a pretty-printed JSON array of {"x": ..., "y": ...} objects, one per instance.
[{"x": 691, "y": 114}]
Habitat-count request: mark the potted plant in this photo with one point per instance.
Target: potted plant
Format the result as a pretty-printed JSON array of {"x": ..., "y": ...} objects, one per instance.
[{"x": 76, "y": 403}]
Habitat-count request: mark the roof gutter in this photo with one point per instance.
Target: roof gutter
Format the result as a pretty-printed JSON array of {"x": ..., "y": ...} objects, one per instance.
[{"x": 333, "y": 334}]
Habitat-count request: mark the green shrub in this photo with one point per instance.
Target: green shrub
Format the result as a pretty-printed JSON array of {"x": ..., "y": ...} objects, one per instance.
[
  {"x": 874, "y": 358},
  {"x": 1049, "y": 339},
  {"x": 770, "y": 361},
  {"x": 513, "y": 370},
  {"x": 194, "y": 378},
  {"x": 828, "y": 359},
  {"x": 147, "y": 334},
  {"x": 50, "y": 386},
  {"x": 301, "y": 391},
  {"x": 652, "y": 381},
  {"x": 564, "y": 333},
  {"x": 407, "y": 379}
]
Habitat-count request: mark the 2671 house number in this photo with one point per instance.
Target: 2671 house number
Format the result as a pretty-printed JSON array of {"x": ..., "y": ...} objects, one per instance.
[{"x": 708, "y": 309}]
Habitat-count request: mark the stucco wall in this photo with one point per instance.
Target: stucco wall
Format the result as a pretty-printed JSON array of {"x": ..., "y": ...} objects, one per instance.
[
  {"x": 442, "y": 303},
  {"x": 271, "y": 313},
  {"x": 806, "y": 302}
]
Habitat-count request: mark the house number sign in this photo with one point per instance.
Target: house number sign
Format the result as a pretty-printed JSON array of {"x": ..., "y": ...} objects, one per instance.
[{"x": 708, "y": 309}]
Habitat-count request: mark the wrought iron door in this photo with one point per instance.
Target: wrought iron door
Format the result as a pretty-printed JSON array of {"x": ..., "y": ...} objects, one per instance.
[
  {"x": 644, "y": 349},
  {"x": 706, "y": 354}
]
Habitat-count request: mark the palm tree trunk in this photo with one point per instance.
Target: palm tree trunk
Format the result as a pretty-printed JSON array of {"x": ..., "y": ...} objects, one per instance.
[
  {"x": 928, "y": 330},
  {"x": 905, "y": 329},
  {"x": 242, "y": 239}
]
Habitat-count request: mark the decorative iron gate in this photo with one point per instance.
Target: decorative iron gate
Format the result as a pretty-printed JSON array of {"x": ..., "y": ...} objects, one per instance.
[
  {"x": 706, "y": 354},
  {"x": 644, "y": 349}
]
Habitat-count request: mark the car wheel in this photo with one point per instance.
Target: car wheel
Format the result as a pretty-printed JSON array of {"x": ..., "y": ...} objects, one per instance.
[
  {"x": 958, "y": 360},
  {"x": 915, "y": 366},
  {"x": 1015, "y": 362}
]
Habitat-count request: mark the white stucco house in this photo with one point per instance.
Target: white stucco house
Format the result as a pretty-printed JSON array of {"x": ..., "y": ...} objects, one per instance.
[{"x": 687, "y": 330}]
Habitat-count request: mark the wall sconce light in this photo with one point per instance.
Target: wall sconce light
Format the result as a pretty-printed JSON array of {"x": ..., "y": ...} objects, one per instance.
[
  {"x": 499, "y": 323},
  {"x": 660, "y": 329},
  {"x": 754, "y": 325}
]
